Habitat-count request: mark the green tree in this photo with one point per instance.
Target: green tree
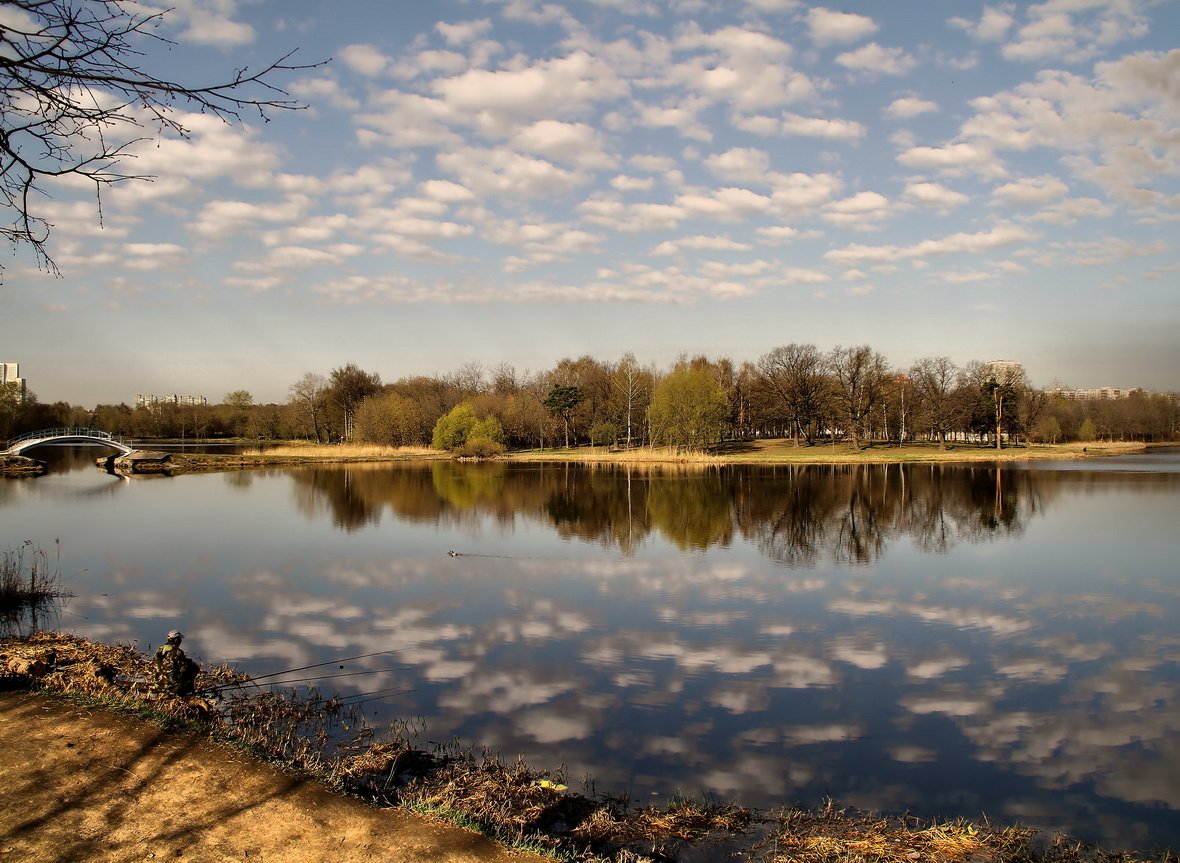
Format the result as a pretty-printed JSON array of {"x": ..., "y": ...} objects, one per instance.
[
  {"x": 10, "y": 404},
  {"x": 461, "y": 428},
  {"x": 453, "y": 429},
  {"x": 1047, "y": 429},
  {"x": 603, "y": 434},
  {"x": 238, "y": 399},
  {"x": 688, "y": 408},
  {"x": 1088, "y": 431},
  {"x": 561, "y": 401},
  {"x": 1003, "y": 386}
]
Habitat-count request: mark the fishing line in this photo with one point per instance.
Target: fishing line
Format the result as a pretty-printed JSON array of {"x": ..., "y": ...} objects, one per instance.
[
  {"x": 335, "y": 676},
  {"x": 322, "y": 664},
  {"x": 254, "y": 681}
]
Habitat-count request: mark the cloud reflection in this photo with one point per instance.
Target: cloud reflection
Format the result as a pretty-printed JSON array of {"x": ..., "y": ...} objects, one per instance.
[{"x": 781, "y": 638}]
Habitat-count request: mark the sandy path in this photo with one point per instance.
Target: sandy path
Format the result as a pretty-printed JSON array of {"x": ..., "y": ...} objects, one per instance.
[{"x": 79, "y": 785}]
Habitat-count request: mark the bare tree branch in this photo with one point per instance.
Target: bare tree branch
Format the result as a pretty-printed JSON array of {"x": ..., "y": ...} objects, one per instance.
[{"x": 71, "y": 77}]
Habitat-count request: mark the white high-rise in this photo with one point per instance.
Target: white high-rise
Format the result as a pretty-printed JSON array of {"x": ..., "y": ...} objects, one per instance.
[{"x": 10, "y": 374}]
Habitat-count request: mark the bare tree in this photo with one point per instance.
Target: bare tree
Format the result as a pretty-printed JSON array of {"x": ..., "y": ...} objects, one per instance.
[
  {"x": 73, "y": 96},
  {"x": 793, "y": 379},
  {"x": 859, "y": 376},
  {"x": 937, "y": 381},
  {"x": 631, "y": 385},
  {"x": 309, "y": 395}
]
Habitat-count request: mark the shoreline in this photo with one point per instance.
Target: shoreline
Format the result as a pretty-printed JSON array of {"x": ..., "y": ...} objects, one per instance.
[
  {"x": 768, "y": 452},
  {"x": 528, "y": 812}
]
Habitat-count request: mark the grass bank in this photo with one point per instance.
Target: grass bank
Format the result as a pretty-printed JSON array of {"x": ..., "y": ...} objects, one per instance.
[
  {"x": 758, "y": 452},
  {"x": 781, "y": 451},
  {"x": 510, "y": 800}
]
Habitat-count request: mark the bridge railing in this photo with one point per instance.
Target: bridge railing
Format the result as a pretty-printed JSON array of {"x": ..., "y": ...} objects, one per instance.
[{"x": 74, "y": 431}]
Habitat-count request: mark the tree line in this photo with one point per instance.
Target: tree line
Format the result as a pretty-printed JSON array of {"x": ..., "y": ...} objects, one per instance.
[{"x": 795, "y": 391}]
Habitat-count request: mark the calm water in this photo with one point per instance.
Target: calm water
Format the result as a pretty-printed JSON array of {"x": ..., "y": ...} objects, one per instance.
[{"x": 949, "y": 641}]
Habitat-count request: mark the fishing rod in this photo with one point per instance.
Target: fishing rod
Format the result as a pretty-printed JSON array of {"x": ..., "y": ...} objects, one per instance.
[
  {"x": 335, "y": 676},
  {"x": 254, "y": 681}
]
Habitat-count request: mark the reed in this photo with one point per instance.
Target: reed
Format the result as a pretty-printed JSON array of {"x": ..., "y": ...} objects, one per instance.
[{"x": 29, "y": 583}]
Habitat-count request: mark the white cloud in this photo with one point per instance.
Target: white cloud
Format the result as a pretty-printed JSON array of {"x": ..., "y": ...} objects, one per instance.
[
  {"x": 801, "y": 191},
  {"x": 725, "y": 204},
  {"x": 366, "y": 60},
  {"x": 209, "y": 22},
  {"x": 464, "y": 32},
  {"x": 152, "y": 256},
  {"x": 740, "y": 164},
  {"x": 697, "y": 243},
  {"x": 1144, "y": 78},
  {"x": 1070, "y": 211},
  {"x": 742, "y": 67},
  {"x": 407, "y": 120},
  {"x": 961, "y": 243},
  {"x": 828, "y": 27},
  {"x": 631, "y": 218},
  {"x": 446, "y": 191},
  {"x": 324, "y": 89},
  {"x": 873, "y": 59},
  {"x": 571, "y": 143},
  {"x": 935, "y": 195},
  {"x": 993, "y": 24},
  {"x": 496, "y": 100},
  {"x": 500, "y": 172},
  {"x": 221, "y": 218},
  {"x": 818, "y": 127},
  {"x": 909, "y": 106},
  {"x": 778, "y": 233},
  {"x": 863, "y": 211},
  {"x": 1030, "y": 191},
  {"x": 632, "y": 184},
  {"x": 1075, "y": 30},
  {"x": 954, "y": 159}
]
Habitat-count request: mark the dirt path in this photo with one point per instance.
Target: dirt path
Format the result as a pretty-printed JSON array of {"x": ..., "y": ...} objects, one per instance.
[{"x": 89, "y": 785}]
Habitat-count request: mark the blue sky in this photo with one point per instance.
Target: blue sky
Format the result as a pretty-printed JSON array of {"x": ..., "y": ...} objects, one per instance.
[{"x": 518, "y": 181}]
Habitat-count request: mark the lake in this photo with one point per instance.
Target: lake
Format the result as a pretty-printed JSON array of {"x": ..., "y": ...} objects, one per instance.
[{"x": 974, "y": 640}]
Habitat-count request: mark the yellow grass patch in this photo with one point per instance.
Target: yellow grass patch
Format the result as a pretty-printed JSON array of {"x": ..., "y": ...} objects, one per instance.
[{"x": 343, "y": 451}]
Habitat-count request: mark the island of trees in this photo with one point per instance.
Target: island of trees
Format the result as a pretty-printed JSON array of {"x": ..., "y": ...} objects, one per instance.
[{"x": 796, "y": 391}]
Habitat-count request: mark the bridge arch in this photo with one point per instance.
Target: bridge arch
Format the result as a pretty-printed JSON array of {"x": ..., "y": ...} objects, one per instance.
[{"x": 65, "y": 437}]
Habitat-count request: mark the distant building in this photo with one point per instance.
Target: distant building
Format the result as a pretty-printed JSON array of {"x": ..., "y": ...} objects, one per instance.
[
  {"x": 1097, "y": 393},
  {"x": 10, "y": 374},
  {"x": 1004, "y": 371},
  {"x": 147, "y": 401}
]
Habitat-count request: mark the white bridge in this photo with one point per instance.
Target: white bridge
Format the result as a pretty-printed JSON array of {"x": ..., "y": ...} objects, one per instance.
[{"x": 65, "y": 437}]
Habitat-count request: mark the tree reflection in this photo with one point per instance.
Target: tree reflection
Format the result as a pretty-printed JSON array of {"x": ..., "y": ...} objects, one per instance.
[{"x": 796, "y": 515}]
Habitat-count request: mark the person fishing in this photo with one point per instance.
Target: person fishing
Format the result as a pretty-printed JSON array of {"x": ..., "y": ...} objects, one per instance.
[{"x": 172, "y": 671}]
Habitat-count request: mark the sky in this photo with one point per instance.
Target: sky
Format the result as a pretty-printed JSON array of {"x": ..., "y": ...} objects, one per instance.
[{"x": 518, "y": 181}]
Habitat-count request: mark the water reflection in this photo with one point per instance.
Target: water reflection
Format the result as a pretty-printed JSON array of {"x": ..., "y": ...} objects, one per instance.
[
  {"x": 950, "y": 641},
  {"x": 796, "y": 515}
]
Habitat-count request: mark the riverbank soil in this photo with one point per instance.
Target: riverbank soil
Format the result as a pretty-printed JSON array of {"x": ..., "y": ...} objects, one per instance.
[{"x": 78, "y": 784}]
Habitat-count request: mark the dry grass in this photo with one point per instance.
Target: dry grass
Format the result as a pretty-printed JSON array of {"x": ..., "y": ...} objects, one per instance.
[
  {"x": 782, "y": 451},
  {"x": 295, "y": 449}
]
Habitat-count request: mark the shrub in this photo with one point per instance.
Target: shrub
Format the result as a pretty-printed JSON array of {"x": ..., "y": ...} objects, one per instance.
[{"x": 480, "y": 447}]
